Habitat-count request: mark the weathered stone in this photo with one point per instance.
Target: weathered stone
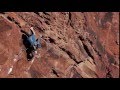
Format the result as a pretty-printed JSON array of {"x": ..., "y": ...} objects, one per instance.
[{"x": 74, "y": 45}]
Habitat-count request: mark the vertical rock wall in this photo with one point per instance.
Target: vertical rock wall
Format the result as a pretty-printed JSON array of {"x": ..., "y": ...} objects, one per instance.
[{"x": 74, "y": 45}]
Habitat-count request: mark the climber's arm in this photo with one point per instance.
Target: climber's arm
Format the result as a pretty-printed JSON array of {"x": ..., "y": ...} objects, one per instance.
[{"x": 32, "y": 30}]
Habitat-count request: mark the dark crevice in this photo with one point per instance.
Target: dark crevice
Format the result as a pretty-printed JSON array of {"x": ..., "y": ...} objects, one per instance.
[
  {"x": 37, "y": 13},
  {"x": 59, "y": 38},
  {"x": 81, "y": 38},
  {"x": 108, "y": 75},
  {"x": 40, "y": 21},
  {"x": 69, "y": 16},
  {"x": 79, "y": 62},
  {"x": 117, "y": 42},
  {"x": 47, "y": 22},
  {"x": 12, "y": 20},
  {"x": 47, "y": 18},
  {"x": 46, "y": 13},
  {"x": 87, "y": 51},
  {"x": 54, "y": 72},
  {"x": 85, "y": 24},
  {"x": 98, "y": 53},
  {"x": 2, "y": 12},
  {"x": 71, "y": 25},
  {"x": 71, "y": 55},
  {"x": 90, "y": 41},
  {"x": 18, "y": 24},
  {"x": 51, "y": 40},
  {"x": 85, "y": 47},
  {"x": 63, "y": 13},
  {"x": 69, "y": 20}
]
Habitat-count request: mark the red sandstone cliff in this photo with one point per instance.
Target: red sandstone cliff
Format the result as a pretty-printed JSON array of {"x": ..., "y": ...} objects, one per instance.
[{"x": 74, "y": 45}]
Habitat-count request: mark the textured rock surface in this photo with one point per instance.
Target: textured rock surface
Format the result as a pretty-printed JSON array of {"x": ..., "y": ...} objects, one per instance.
[{"x": 74, "y": 45}]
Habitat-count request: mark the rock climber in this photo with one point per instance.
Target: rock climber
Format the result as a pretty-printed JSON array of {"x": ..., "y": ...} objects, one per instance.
[{"x": 31, "y": 43}]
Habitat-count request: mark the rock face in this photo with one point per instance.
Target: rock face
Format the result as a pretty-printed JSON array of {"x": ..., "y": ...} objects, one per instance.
[{"x": 74, "y": 45}]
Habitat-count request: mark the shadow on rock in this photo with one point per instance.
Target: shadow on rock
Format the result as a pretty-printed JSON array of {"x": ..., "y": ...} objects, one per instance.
[{"x": 29, "y": 49}]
